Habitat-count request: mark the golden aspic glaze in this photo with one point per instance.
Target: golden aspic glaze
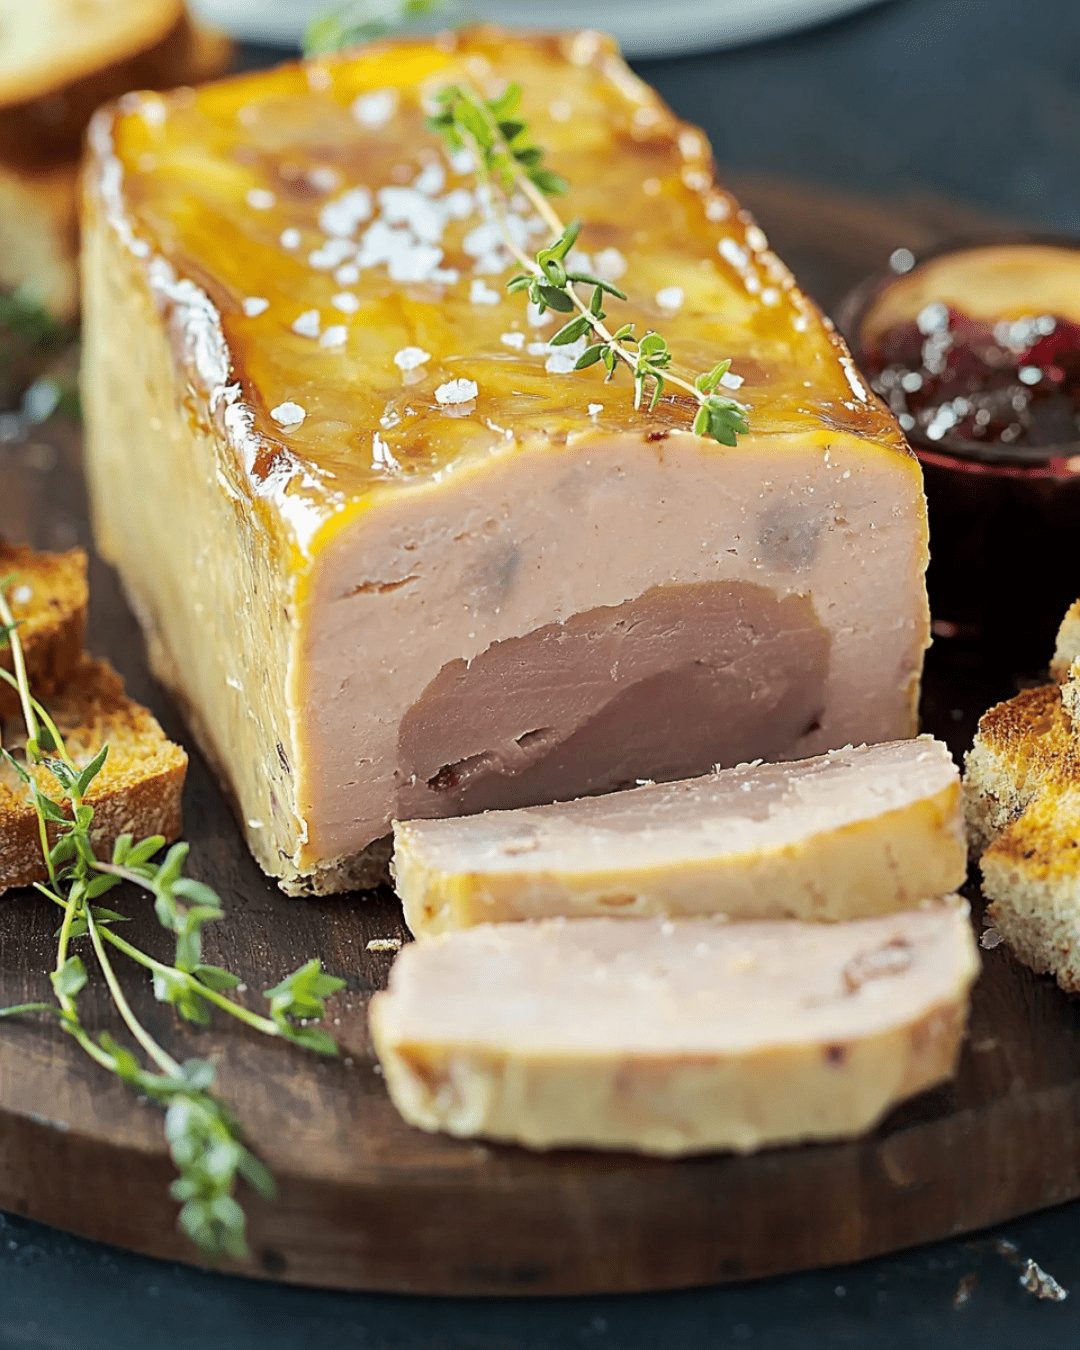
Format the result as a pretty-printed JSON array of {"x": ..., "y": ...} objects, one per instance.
[{"x": 361, "y": 287}]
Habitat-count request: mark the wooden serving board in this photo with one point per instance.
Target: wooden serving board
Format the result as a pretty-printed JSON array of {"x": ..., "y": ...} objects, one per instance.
[{"x": 366, "y": 1201}]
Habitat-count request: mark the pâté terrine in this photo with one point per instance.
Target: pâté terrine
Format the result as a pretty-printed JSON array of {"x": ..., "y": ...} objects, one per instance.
[{"x": 394, "y": 556}]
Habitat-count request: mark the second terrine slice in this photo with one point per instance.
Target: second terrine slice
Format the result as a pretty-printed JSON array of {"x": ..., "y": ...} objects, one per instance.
[{"x": 857, "y": 832}]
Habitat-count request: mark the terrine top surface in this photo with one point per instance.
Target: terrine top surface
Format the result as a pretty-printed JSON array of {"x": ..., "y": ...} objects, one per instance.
[{"x": 336, "y": 291}]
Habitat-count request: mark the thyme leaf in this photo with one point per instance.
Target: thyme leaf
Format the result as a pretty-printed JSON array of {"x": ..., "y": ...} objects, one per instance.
[{"x": 363, "y": 20}]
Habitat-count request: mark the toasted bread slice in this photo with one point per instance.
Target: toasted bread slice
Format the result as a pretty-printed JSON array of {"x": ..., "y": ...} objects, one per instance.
[
  {"x": 59, "y": 60},
  {"x": 39, "y": 236},
  {"x": 47, "y": 593},
  {"x": 137, "y": 791},
  {"x": 1023, "y": 748},
  {"x": 1022, "y": 802},
  {"x": 1065, "y": 667},
  {"x": 1031, "y": 873}
]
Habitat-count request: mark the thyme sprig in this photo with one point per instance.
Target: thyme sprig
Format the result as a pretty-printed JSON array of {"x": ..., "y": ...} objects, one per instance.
[
  {"x": 362, "y": 20},
  {"x": 204, "y": 1139},
  {"x": 507, "y": 162}
]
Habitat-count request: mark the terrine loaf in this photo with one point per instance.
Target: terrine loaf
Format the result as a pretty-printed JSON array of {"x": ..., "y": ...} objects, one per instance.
[
  {"x": 674, "y": 1037},
  {"x": 850, "y": 834},
  {"x": 394, "y": 555}
]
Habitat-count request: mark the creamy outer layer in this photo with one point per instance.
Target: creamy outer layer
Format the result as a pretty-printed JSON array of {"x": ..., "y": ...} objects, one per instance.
[{"x": 672, "y": 1037}]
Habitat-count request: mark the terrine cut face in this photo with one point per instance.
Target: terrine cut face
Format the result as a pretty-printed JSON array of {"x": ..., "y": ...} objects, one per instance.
[{"x": 396, "y": 558}]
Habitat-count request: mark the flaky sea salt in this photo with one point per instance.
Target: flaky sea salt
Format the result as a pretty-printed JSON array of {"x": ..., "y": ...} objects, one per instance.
[
  {"x": 288, "y": 415},
  {"x": 375, "y": 109},
  {"x": 307, "y": 324},
  {"x": 431, "y": 179},
  {"x": 342, "y": 216},
  {"x": 347, "y": 275},
  {"x": 514, "y": 340},
  {"x": 595, "y": 409},
  {"x": 255, "y": 305},
  {"x": 289, "y": 239},
  {"x": 335, "y": 336},
  {"x": 455, "y": 392},
  {"x": 346, "y": 302},
  {"x": 730, "y": 381},
  {"x": 565, "y": 358},
  {"x": 260, "y": 200},
  {"x": 331, "y": 254},
  {"x": 610, "y": 264},
  {"x": 381, "y": 455},
  {"x": 409, "y": 358},
  {"x": 480, "y": 293},
  {"x": 671, "y": 297}
]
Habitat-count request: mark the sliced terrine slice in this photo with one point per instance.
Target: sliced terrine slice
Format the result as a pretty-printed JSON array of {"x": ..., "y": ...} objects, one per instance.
[
  {"x": 853, "y": 833},
  {"x": 674, "y": 1037}
]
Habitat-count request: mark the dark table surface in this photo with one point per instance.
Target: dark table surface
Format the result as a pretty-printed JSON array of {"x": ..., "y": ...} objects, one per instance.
[{"x": 977, "y": 100}]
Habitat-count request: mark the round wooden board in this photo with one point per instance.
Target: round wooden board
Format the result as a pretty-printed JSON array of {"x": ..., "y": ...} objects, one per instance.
[{"x": 366, "y": 1201}]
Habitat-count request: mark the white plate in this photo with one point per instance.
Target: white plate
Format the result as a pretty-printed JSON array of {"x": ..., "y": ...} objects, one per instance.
[{"x": 642, "y": 27}]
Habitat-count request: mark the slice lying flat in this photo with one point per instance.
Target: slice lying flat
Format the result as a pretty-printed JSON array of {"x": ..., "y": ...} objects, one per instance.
[
  {"x": 847, "y": 835},
  {"x": 674, "y": 1037}
]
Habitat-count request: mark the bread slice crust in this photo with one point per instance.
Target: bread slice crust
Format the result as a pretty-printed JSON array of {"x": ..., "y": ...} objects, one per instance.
[
  {"x": 1067, "y": 650},
  {"x": 138, "y": 791},
  {"x": 48, "y": 594},
  {"x": 57, "y": 44},
  {"x": 1022, "y": 806}
]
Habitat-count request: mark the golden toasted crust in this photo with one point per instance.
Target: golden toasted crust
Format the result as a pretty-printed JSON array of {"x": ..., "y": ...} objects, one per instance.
[
  {"x": 47, "y": 593},
  {"x": 138, "y": 790},
  {"x": 1022, "y": 803},
  {"x": 1067, "y": 651},
  {"x": 61, "y": 58}
]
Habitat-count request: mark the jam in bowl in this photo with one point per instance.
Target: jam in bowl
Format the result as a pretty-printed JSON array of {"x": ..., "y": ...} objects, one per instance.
[{"x": 976, "y": 348}]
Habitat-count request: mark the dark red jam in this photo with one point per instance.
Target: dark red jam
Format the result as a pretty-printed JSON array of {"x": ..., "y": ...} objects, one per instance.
[{"x": 1010, "y": 389}]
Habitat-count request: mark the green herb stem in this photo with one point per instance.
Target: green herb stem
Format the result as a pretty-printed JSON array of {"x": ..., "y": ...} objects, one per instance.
[
  {"x": 161, "y": 1058},
  {"x": 204, "y": 1140},
  {"x": 19, "y": 680},
  {"x": 506, "y": 162}
]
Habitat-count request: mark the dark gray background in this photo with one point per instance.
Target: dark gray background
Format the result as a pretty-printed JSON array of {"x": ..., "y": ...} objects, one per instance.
[{"x": 977, "y": 100}]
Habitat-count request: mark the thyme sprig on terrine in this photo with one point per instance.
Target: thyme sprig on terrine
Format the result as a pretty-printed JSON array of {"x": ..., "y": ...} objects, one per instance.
[
  {"x": 204, "y": 1139},
  {"x": 362, "y": 20},
  {"x": 507, "y": 162}
]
